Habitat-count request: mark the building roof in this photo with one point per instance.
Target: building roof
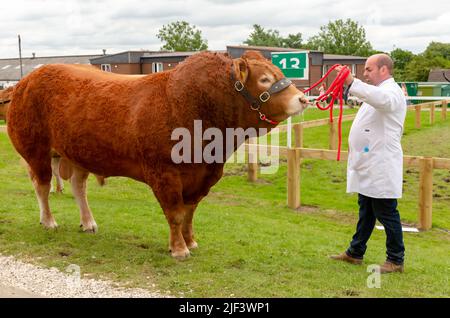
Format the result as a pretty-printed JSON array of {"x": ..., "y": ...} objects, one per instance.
[
  {"x": 326, "y": 57},
  {"x": 10, "y": 68},
  {"x": 136, "y": 56},
  {"x": 268, "y": 48},
  {"x": 178, "y": 54},
  {"x": 439, "y": 75},
  {"x": 342, "y": 57},
  {"x": 126, "y": 57},
  {"x": 169, "y": 54}
]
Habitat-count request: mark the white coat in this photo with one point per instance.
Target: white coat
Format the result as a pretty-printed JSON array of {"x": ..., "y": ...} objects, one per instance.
[{"x": 375, "y": 161}]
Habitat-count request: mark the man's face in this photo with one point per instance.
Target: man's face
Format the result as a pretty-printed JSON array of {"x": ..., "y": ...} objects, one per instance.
[{"x": 372, "y": 73}]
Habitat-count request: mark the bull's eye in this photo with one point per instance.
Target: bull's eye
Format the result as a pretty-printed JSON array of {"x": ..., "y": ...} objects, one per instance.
[{"x": 265, "y": 80}]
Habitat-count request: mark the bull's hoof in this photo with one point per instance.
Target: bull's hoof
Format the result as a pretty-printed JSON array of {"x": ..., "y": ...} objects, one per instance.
[
  {"x": 49, "y": 224},
  {"x": 89, "y": 228},
  {"x": 192, "y": 245},
  {"x": 180, "y": 255},
  {"x": 57, "y": 191}
]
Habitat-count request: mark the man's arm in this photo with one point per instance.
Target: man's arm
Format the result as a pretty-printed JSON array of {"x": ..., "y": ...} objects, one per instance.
[{"x": 377, "y": 97}]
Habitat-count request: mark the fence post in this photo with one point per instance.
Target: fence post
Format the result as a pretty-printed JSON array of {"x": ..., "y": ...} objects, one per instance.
[
  {"x": 333, "y": 135},
  {"x": 425, "y": 193},
  {"x": 298, "y": 133},
  {"x": 252, "y": 160},
  {"x": 432, "y": 109},
  {"x": 444, "y": 110},
  {"x": 418, "y": 111},
  {"x": 293, "y": 178}
]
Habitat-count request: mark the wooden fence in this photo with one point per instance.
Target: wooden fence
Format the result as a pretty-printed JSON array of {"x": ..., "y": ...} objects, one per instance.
[
  {"x": 295, "y": 155},
  {"x": 432, "y": 106}
]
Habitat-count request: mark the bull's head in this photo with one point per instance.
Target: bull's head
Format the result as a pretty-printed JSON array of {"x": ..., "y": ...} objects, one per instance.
[{"x": 258, "y": 76}]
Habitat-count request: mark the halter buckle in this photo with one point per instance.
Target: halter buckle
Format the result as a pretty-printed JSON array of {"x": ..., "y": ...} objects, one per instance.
[
  {"x": 264, "y": 97},
  {"x": 238, "y": 86}
]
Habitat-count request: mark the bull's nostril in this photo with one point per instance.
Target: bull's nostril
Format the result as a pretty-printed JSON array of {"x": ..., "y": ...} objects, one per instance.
[{"x": 303, "y": 100}]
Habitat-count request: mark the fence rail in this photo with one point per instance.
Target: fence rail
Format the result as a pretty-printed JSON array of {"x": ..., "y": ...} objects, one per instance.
[{"x": 426, "y": 166}]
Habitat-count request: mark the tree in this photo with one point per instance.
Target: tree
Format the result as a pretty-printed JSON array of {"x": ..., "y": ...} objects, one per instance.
[
  {"x": 293, "y": 41},
  {"x": 181, "y": 36},
  {"x": 420, "y": 66},
  {"x": 437, "y": 49},
  {"x": 401, "y": 59},
  {"x": 261, "y": 37},
  {"x": 417, "y": 69},
  {"x": 341, "y": 37}
]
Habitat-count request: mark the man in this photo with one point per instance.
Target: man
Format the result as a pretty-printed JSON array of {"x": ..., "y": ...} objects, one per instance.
[{"x": 375, "y": 162}]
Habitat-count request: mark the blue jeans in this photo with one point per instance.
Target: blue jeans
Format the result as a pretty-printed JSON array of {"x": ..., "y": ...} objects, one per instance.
[{"x": 385, "y": 211}]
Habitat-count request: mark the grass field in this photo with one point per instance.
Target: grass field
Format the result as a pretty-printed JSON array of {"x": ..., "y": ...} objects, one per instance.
[{"x": 251, "y": 244}]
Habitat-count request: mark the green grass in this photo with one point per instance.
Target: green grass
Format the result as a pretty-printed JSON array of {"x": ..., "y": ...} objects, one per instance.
[{"x": 251, "y": 245}]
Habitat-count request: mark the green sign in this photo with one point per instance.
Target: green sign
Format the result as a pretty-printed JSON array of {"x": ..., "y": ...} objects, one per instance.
[{"x": 294, "y": 65}]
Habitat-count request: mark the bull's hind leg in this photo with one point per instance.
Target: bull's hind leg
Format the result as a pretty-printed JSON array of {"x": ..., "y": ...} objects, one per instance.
[
  {"x": 79, "y": 188},
  {"x": 40, "y": 172},
  {"x": 55, "y": 171}
]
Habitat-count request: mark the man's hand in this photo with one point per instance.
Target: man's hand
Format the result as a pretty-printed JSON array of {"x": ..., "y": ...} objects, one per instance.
[{"x": 349, "y": 78}]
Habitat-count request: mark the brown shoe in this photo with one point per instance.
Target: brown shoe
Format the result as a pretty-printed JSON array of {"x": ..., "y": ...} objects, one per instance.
[
  {"x": 389, "y": 267},
  {"x": 346, "y": 258}
]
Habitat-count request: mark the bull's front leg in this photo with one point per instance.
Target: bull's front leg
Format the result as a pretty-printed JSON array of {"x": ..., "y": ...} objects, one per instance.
[
  {"x": 177, "y": 245},
  {"x": 187, "y": 229},
  {"x": 168, "y": 191}
]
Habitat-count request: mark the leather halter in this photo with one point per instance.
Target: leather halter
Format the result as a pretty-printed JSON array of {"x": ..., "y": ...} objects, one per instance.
[{"x": 256, "y": 103}]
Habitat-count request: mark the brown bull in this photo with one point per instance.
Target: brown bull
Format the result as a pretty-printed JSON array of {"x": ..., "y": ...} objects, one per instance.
[{"x": 117, "y": 125}]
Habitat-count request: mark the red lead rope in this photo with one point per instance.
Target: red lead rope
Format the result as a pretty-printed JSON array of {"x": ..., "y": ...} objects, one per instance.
[{"x": 336, "y": 90}]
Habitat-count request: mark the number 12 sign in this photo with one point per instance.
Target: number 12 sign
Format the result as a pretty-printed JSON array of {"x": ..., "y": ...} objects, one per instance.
[{"x": 294, "y": 65}]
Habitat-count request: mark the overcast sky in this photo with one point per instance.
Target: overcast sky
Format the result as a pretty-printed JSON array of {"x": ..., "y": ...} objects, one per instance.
[{"x": 56, "y": 27}]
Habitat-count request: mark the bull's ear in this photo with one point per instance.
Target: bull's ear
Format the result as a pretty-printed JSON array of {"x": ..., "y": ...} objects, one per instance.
[{"x": 240, "y": 69}]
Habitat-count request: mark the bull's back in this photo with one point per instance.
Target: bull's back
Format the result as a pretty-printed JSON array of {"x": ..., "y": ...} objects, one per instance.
[{"x": 86, "y": 115}]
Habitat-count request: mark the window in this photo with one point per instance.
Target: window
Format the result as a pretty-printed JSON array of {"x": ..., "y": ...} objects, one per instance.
[
  {"x": 106, "y": 67},
  {"x": 324, "y": 69},
  {"x": 354, "y": 69},
  {"x": 157, "y": 67}
]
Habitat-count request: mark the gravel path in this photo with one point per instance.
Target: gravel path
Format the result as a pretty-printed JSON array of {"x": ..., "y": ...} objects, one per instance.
[{"x": 19, "y": 279}]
